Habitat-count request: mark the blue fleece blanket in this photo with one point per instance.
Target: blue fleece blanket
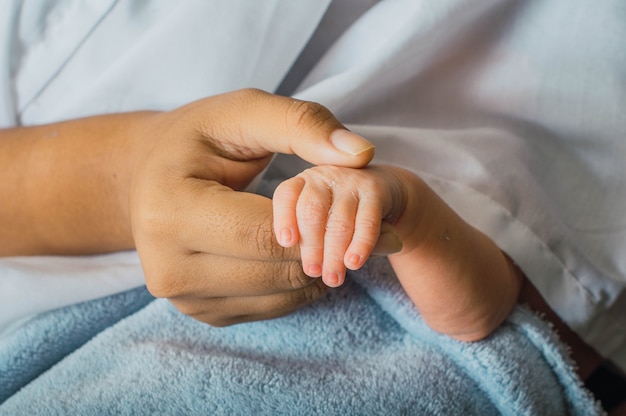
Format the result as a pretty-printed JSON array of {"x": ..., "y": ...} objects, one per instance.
[{"x": 363, "y": 349}]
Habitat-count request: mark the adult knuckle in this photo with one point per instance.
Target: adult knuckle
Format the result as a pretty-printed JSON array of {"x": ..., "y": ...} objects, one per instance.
[
  {"x": 187, "y": 308},
  {"x": 295, "y": 275},
  {"x": 216, "y": 318},
  {"x": 303, "y": 115},
  {"x": 284, "y": 304},
  {"x": 208, "y": 311},
  {"x": 154, "y": 222},
  {"x": 164, "y": 284},
  {"x": 313, "y": 292},
  {"x": 216, "y": 321},
  {"x": 157, "y": 289},
  {"x": 194, "y": 308},
  {"x": 211, "y": 318},
  {"x": 255, "y": 235},
  {"x": 250, "y": 94},
  {"x": 286, "y": 275},
  {"x": 261, "y": 238},
  {"x": 265, "y": 244}
]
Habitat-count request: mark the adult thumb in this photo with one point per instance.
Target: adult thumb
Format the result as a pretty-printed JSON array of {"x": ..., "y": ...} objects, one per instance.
[
  {"x": 268, "y": 123},
  {"x": 389, "y": 241}
]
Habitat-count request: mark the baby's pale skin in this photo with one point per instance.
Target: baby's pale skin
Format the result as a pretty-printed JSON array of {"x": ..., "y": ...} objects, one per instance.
[{"x": 460, "y": 281}]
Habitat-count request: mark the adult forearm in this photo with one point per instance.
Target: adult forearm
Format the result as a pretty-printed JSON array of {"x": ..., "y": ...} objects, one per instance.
[{"x": 65, "y": 186}]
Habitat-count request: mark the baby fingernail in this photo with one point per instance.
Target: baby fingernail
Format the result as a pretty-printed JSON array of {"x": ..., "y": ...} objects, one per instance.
[
  {"x": 285, "y": 237},
  {"x": 314, "y": 270},
  {"x": 355, "y": 260},
  {"x": 349, "y": 142},
  {"x": 332, "y": 279}
]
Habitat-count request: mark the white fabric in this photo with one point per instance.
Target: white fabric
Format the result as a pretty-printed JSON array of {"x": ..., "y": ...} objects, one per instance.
[
  {"x": 32, "y": 284},
  {"x": 513, "y": 111},
  {"x": 76, "y": 58}
]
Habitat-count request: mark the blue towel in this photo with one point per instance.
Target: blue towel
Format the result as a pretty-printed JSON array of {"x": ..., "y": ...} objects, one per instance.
[{"x": 362, "y": 349}]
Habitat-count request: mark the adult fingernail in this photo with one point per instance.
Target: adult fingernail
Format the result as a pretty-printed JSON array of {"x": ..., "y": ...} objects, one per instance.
[
  {"x": 349, "y": 142},
  {"x": 389, "y": 242}
]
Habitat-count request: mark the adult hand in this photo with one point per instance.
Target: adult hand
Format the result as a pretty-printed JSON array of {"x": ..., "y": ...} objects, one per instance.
[{"x": 205, "y": 246}]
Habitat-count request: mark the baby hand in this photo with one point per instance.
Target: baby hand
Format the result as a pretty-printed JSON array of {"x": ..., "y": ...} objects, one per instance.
[
  {"x": 460, "y": 281},
  {"x": 336, "y": 215}
]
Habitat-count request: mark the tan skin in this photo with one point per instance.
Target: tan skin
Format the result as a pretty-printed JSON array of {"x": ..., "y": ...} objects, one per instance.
[{"x": 165, "y": 183}]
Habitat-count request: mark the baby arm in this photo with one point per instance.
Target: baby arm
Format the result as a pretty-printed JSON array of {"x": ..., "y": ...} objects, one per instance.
[{"x": 463, "y": 285}]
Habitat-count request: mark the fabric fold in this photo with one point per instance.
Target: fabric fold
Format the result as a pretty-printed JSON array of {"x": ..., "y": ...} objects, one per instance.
[{"x": 362, "y": 347}]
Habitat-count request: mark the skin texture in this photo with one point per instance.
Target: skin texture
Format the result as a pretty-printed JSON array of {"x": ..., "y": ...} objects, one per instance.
[
  {"x": 463, "y": 285},
  {"x": 166, "y": 184}
]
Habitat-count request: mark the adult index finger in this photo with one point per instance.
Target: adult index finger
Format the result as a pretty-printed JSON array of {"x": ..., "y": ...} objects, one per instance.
[{"x": 221, "y": 221}]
